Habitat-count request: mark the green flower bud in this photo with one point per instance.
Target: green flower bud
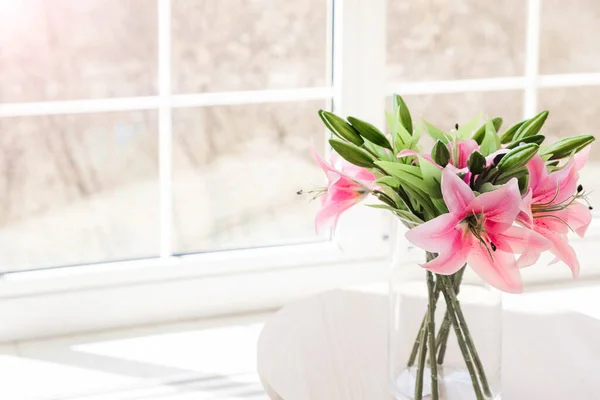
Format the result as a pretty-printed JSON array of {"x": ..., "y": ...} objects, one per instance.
[
  {"x": 532, "y": 126},
  {"x": 340, "y": 128},
  {"x": 564, "y": 147},
  {"x": 537, "y": 139},
  {"x": 518, "y": 157},
  {"x": 440, "y": 153},
  {"x": 479, "y": 134},
  {"x": 369, "y": 132},
  {"x": 476, "y": 163},
  {"x": 507, "y": 136},
  {"x": 352, "y": 153}
]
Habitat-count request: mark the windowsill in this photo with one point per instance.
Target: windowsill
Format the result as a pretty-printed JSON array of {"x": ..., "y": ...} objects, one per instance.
[{"x": 213, "y": 358}]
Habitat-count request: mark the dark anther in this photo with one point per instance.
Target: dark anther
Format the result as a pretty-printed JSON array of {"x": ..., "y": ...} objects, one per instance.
[
  {"x": 591, "y": 208},
  {"x": 299, "y": 192},
  {"x": 456, "y": 126},
  {"x": 493, "y": 246},
  {"x": 579, "y": 188}
]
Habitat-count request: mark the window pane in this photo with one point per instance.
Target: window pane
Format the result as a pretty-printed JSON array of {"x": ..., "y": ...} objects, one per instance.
[
  {"x": 236, "y": 173},
  {"x": 77, "y": 189},
  {"x": 569, "y": 36},
  {"x": 445, "y": 110},
  {"x": 443, "y": 39},
  {"x": 66, "y": 49},
  {"x": 574, "y": 111},
  {"x": 245, "y": 45}
]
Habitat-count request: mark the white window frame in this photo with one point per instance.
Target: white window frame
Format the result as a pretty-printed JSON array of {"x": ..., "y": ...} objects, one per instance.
[{"x": 90, "y": 297}]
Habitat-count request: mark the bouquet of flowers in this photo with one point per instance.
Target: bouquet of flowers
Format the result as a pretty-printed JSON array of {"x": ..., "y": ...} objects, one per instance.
[{"x": 492, "y": 201}]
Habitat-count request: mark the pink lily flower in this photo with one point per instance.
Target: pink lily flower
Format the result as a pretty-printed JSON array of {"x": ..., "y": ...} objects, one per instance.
[
  {"x": 477, "y": 230},
  {"x": 346, "y": 187},
  {"x": 550, "y": 208}
]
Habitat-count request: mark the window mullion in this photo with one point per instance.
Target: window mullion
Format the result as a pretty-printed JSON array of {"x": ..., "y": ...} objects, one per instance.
[{"x": 165, "y": 134}]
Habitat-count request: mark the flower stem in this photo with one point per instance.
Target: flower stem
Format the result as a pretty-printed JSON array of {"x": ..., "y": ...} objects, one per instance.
[
  {"x": 462, "y": 325},
  {"x": 436, "y": 296},
  {"x": 421, "y": 364},
  {"x": 451, "y": 304},
  {"x": 431, "y": 335},
  {"x": 444, "y": 333}
]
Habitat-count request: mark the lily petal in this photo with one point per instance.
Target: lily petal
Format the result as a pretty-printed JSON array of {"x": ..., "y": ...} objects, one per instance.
[
  {"x": 330, "y": 212},
  {"x": 526, "y": 242},
  {"x": 561, "y": 249},
  {"x": 500, "y": 206},
  {"x": 448, "y": 263},
  {"x": 457, "y": 194},
  {"x": 438, "y": 235},
  {"x": 501, "y": 272},
  {"x": 579, "y": 217}
]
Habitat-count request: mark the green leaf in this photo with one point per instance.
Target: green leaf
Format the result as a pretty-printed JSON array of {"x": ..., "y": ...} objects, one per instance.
[
  {"x": 432, "y": 176},
  {"x": 491, "y": 141},
  {"x": 518, "y": 157},
  {"x": 389, "y": 181},
  {"x": 369, "y": 132},
  {"x": 352, "y": 153},
  {"x": 435, "y": 132},
  {"x": 507, "y": 136},
  {"x": 532, "y": 126},
  {"x": 440, "y": 153},
  {"x": 488, "y": 187},
  {"x": 403, "y": 113},
  {"x": 476, "y": 162},
  {"x": 567, "y": 146},
  {"x": 340, "y": 128},
  {"x": 464, "y": 131},
  {"x": 479, "y": 134}
]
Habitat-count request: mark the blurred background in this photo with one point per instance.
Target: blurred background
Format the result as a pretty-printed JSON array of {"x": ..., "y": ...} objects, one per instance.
[{"x": 152, "y": 141}]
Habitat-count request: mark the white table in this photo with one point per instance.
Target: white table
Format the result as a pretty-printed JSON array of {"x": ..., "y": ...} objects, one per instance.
[{"x": 333, "y": 346}]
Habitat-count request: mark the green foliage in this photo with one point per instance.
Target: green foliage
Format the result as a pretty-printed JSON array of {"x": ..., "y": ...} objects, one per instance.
[
  {"x": 507, "y": 136},
  {"x": 403, "y": 113},
  {"x": 479, "y": 134},
  {"x": 537, "y": 139},
  {"x": 491, "y": 141}
]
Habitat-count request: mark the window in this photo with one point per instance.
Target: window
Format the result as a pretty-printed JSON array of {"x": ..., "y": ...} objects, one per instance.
[
  {"x": 165, "y": 139},
  {"x": 156, "y": 128}
]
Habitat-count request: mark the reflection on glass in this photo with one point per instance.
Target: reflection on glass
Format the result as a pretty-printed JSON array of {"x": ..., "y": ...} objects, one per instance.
[
  {"x": 236, "y": 173},
  {"x": 441, "y": 39},
  {"x": 248, "y": 45},
  {"x": 569, "y": 36},
  {"x": 67, "y": 49},
  {"x": 78, "y": 189}
]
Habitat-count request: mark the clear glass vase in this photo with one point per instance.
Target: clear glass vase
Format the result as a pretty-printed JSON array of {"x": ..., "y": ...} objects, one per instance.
[{"x": 474, "y": 330}]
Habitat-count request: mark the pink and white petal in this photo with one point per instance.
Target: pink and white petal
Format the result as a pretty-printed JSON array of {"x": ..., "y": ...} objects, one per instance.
[
  {"x": 562, "y": 250},
  {"x": 356, "y": 172},
  {"x": 439, "y": 235},
  {"x": 321, "y": 162},
  {"x": 537, "y": 172},
  {"x": 500, "y": 207},
  {"x": 528, "y": 243},
  {"x": 327, "y": 217},
  {"x": 410, "y": 153},
  {"x": 448, "y": 263},
  {"x": 500, "y": 272},
  {"x": 457, "y": 194},
  {"x": 579, "y": 217},
  {"x": 581, "y": 158},
  {"x": 525, "y": 215},
  {"x": 559, "y": 186}
]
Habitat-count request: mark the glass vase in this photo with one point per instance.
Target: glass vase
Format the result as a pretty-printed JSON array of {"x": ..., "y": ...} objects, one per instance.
[{"x": 468, "y": 332}]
